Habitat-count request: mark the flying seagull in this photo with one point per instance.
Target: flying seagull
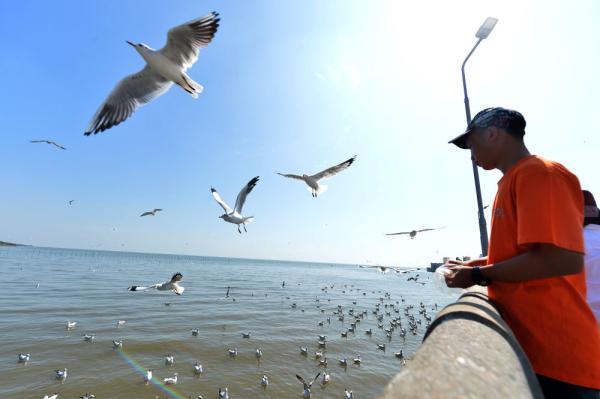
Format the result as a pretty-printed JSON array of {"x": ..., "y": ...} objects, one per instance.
[
  {"x": 71, "y": 202},
  {"x": 412, "y": 233},
  {"x": 385, "y": 269},
  {"x": 49, "y": 142},
  {"x": 163, "y": 68},
  {"x": 235, "y": 215},
  {"x": 171, "y": 285},
  {"x": 307, "y": 385},
  {"x": 313, "y": 181},
  {"x": 151, "y": 213}
]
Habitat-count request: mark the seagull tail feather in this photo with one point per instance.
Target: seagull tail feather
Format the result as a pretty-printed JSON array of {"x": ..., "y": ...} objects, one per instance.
[
  {"x": 188, "y": 84},
  {"x": 248, "y": 219}
]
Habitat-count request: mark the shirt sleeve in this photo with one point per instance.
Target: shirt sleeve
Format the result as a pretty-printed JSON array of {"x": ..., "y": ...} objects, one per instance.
[{"x": 549, "y": 208}]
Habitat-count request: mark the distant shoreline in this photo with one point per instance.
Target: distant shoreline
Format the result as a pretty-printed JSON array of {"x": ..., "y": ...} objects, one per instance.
[{"x": 9, "y": 244}]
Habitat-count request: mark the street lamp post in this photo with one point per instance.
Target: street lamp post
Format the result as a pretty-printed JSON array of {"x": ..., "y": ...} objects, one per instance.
[{"x": 481, "y": 34}]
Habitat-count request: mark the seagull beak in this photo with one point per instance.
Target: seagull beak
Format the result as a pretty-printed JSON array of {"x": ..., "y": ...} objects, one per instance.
[{"x": 128, "y": 42}]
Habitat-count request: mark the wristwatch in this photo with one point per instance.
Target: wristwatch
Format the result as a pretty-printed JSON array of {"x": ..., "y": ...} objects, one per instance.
[{"x": 478, "y": 277}]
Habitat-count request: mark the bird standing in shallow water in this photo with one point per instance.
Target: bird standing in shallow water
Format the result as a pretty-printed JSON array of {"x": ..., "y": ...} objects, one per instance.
[{"x": 163, "y": 68}]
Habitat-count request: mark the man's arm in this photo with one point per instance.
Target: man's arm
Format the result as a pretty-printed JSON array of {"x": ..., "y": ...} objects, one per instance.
[
  {"x": 470, "y": 263},
  {"x": 542, "y": 261}
]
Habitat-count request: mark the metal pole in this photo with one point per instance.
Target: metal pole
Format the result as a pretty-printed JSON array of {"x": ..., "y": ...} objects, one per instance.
[{"x": 482, "y": 223}]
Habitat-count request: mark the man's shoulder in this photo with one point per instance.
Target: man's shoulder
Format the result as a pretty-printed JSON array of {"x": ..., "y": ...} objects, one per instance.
[{"x": 537, "y": 165}]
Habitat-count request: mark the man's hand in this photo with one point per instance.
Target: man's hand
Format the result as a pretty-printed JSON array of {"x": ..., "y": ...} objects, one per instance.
[{"x": 459, "y": 276}]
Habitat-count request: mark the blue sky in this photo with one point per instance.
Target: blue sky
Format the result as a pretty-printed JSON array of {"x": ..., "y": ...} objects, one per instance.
[{"x": 290, "y": 86}]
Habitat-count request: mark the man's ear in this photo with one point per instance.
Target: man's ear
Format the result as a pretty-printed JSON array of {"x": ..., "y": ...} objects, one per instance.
[{"x": 493, "y": 134}]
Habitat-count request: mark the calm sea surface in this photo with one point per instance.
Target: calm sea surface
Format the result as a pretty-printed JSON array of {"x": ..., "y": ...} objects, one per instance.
[{"x": 90, "y": 287}]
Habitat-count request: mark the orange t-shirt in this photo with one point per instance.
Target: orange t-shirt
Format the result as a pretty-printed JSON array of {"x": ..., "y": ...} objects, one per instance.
[{"x": 540, "y": 201}]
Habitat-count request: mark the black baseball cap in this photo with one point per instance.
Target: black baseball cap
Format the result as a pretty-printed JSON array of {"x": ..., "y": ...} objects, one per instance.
[{"x": 510, "y": 120}]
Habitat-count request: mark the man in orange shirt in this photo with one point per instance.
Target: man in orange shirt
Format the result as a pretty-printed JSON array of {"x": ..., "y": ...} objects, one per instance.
[{"x": 534, "y": 269}]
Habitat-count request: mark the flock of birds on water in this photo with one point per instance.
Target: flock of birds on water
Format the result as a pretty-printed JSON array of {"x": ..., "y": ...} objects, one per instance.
[
  {"x": 393, "y": 318},
  {"x": 163, "y": 68}
]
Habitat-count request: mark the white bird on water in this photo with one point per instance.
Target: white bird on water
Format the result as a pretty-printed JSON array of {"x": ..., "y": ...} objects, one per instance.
[
  {"x": 235, "y": 215},
  {"x": 121, "y": 323},
  {"x": 313, "y": 181},
  {"x": 148, "y": 376},
  {"x": 117, "y": 344},
  {"x": 198, "y": 368},
  {"x": 61, "y": 374},
  {"x": 264, "y": 381},
  {"x": 163, "y": 68},
  {"x": 169, "y": 360},
  {"x": 348, "y": 394},
  {"x": 171, "y": 285},
  {"x": 258, "y": 353},
  {"x": 223, "y": 394},
  {"x": 171, "y": 380},
  {"x": 88, "y": 396},
  {"x": 24, "y": 357},
  {"x": 89, "y": 337},
  {"x": 307, "y": 385},
  {"x": 71, "y": 324},
  {"x": 53, "y": 396}
]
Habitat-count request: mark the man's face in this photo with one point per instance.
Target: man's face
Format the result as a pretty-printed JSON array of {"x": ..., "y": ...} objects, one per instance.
[{"x": 482, "y": 150}]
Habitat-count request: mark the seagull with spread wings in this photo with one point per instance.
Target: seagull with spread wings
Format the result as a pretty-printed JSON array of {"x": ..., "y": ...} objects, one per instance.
[
  {"x": 313, "y": 181},
  {"x": 48, "y": 142},
  {"x": 171, "y": 285},
  {"x": 307, "y": 385},
  {"x": 151, "y": 213},
  {"x": 235, "y": 215},
  {"x": 163, "y": 68},
  {"x": 412, "y": 233}
]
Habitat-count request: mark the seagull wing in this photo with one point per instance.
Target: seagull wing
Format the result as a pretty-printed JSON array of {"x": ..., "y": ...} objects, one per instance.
[
  {"x": 146, "y": 214},
  {"x": 290, "y": 176},
  {"x": 302, "y": 381},
  {"x": 57, "y": 145},
  {"x": 220, "y": 201},
  {"x": 185, "y": 41},
  {"x": 37, "y": 141},
  {"x": 177, "y": 277},
  {"x": 128, "y": 95},
  {"x": 241, "y": 198},
  {"x": 418, "y": 231},
  {"x": 395, "y": 234},
  {"x": 314, "y": 379},
  {"x": 334, "y": 170},
  {"x": 157, "y": 210}
]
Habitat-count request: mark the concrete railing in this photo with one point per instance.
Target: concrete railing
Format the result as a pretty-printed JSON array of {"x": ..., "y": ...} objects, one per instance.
[{"x": 468, "y": 352}]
